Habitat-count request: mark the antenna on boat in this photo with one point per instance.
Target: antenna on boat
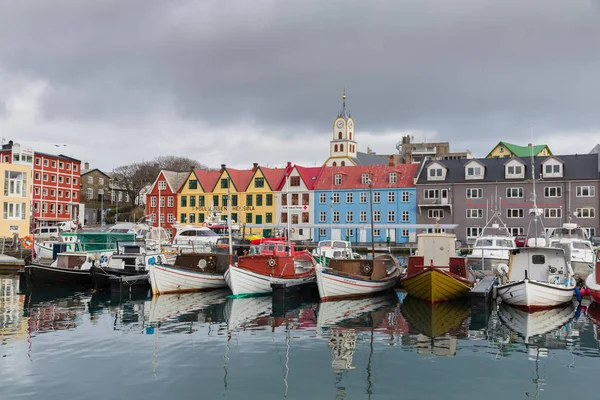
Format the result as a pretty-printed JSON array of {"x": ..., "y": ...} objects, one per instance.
[
  {"x": 287, "y": 198},
  {"x": 229, "y": 219},
  {"x": 533, "y": 194},
  {"x": 371, "y": 207}
]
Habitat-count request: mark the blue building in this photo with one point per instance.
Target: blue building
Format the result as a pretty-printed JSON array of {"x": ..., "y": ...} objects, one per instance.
[{"x": 342, "y": 206}]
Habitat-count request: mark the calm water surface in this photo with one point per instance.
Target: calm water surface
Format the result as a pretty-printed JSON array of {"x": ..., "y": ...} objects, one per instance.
[{"x": 58, "y": 345}]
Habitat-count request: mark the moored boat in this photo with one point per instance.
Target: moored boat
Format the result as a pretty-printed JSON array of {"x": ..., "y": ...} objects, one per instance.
[
  {"x": 68, "y": 269},
  {"x": 536, "y": 278},
  {"x": 276, "y": 262},
  {"x": 436, "y": 274},
  {"x": 191, "y": 272},
  {"x": 581, "y": 250},
  {"x": 343, "y": 279},
  {"x": 333, "y": 249},
  {"x": 592, "y": 282}
]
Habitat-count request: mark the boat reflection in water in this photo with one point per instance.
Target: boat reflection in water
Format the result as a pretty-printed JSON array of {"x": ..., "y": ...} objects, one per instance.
[
  {"x": 528, "y": 325},
  {"x": 438, "y": 325}
]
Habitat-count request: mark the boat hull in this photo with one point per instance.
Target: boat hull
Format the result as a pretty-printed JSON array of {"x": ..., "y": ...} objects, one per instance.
[
  {"x": 434, "y": 285},
  {"x": 534, "y": 295},
  {"x": 42, "y": 275},
  {"x": 170, "y": 279},
  {"x": 593, "y": 288},
  {"x": 245, "y": 282},
  {"x": 334, "y": 286},
  {"x": 101, "y": 276},
  {"x": 581, "y": 269}
]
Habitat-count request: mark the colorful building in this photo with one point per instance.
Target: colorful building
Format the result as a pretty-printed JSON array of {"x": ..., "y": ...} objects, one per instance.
[
  {"x": 56, "y": 181},
  {"x": 195, "y": 197},
  {"x": 504, "y": 149},
  {"x": 296, "y": 196},
  {"x": 342, "y": 206},
  {"x": 15, "y": 203},
  {"x": 161, "y": 204}
]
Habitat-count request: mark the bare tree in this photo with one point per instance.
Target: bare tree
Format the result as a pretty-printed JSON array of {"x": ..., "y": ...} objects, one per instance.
[
  {"x": 178, "y": 164},
  {"x": 136, "y": 177}
]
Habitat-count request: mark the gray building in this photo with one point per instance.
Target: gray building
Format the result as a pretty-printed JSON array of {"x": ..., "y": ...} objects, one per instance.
[{"x": 467, "y": 192}]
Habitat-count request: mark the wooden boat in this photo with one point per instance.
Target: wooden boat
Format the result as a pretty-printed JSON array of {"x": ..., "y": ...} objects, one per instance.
[
  {"x": 66, "y": 270},
  {"x": 333, "y": 249},
  {"x": 191, "y": 272},
  {"x": 276, "y": 262},
  {"x": 343, "y": 279},
  {"x": 592, "y": 282},
  {"x": 537, "y": 278},
  {"x": 437, "y": 275}
]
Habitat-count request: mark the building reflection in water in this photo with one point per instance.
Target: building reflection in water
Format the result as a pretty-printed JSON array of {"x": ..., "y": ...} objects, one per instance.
[{"x": 13, "y": 325}]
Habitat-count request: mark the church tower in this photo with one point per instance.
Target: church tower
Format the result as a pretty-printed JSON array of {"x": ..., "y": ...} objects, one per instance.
[{"x": 343, "y": 146}]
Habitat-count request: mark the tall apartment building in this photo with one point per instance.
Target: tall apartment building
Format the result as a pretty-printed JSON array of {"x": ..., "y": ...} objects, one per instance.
[{"x": 55, "y": 183}]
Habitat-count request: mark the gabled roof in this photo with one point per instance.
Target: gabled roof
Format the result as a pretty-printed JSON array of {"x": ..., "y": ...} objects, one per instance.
[
  {"x": 475, "y": 161},
  {"x": 596, "y": 149},
  {"x": 207, "y": 179},
  {"x": 239, "y": 177},
  {"x": 89, "y": 171},
  {"x": 554, "y": 158},
  {"x": 370, "y": 159},
  {"x": 522, "y": 151},
  {"x": 576, "y": 166},
  {"x": 309, "y": 175},
  {"x": 352, "y": 176},
  {"x": 174, "y": 179},
  {"x": 509, "y": 159},
  {"x": 275, "y": 176}
]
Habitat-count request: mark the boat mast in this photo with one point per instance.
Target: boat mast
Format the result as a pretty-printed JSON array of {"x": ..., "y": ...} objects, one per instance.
[
  {"x": 159, "y": 235},
  {"x": 371, "y": 208},
  {"x": 533, "y": 195},
  {"x": 287, "y": 198},
  {"x": 229, "y": 219}
]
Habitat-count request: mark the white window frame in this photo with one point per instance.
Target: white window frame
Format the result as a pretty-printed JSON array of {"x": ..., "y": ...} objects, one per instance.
[
  {"x": 322, "y": 232},
  {"x": 322, "y": 198},
  {"x": 153, "y": 202},
  {"x": 90, "y": 180},
  {"x": 170, "y": 202},
  {"x": 376, "y": 197},
  {"x": 90, "y": 194},
  {"x": 349, "y": 198},
  {"x": 376, "y": 232},
  {"x": 335, "y": 198},
  {"x": 363, "y": 197},
  {"x": 405, "y": 216},
  {"x": 514, "y": 213},
  {"x": 336, "y": 217},
  {"x": 435, "y": 213},
  {"x": 405, "y": 233},
  {"x": 511, "y": 190},
  {"x": 553, "y": 212},
  {"x": 586, "y": 212},
  {"x": 337, "y": 179},
  {"x": 365, "y": 179},
  {"x": 393, "y": 177},
  {"x": 162, "y": 185},
  {"x": 323, "y": 216},
  {"x": 585, "y": 191},
  {"x": 391, "y": 216},
  {"x": 548, "y": 191},
  {"x": 474, "y": 213},
  {"x": 349, "y": 216},
  {"x": 377, "y": 216},
  {"x": 405, "y": 197},
  {"x": 474, "y": 193},
  {"x": 363, "y": 216},
  {"x": 391, "y": 197},
  {"x": 473, "y": 231}
]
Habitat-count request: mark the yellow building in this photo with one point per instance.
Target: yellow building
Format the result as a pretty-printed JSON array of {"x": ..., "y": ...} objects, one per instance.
[
  {"x": 504, "y": 149},
  {"x": 194, "y": 198},
  {"x": 252, "y": 194},
  {"x": 15, "y": 203}
]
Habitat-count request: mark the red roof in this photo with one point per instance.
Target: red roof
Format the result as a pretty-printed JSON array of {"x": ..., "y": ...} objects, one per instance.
[
  {"x": 276, "y": 176},
  {"x": 352, "y": 176},
  {"x": 207, "y": 179},
  {"x": 240, "y": 178},
  {"x": 309, "y": 175}
]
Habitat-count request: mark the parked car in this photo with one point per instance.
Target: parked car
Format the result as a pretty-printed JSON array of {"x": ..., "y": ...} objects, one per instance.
[
  {"x": 196, "y": 236},
  {"x": 46, "y": 232},
  {"x": 521, "y": 240},
  {"x": 67, "y": 226}
]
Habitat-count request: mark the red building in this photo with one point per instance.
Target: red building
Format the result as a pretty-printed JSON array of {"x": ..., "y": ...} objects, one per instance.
[
  {"x": 161, "y": 199},
  {"x": 56, "y": 182}
]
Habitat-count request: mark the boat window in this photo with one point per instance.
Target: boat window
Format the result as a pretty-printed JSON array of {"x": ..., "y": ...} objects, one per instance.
[
  {"x": 325, "y": 243},
  {"x": 483, "y": 242},
  {"x": 280, "y": 249},
  {"x": 271, "y": 247},
  {"x": 337, "y": 254},
  {"x": 538, "y": 259},
  {"x": 339, "y": 245},
  {"x": 579, "y": 245},
  {"x": 504, "y": 243}
]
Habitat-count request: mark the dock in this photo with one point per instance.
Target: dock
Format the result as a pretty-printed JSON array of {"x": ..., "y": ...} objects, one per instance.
[
  {"x": 10, "y": 264},
  {"x": 481, "y": 297}
]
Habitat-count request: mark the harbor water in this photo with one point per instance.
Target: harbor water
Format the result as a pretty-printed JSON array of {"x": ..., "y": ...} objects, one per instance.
[{"x": 58, "y": 344}]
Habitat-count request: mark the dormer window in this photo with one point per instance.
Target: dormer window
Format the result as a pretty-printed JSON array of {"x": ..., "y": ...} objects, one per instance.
[
  {"x": 393, "y": 177},
  {"x": 474, "y": 170},
  {"x": 552, "y": 168},
  {"x": 514, "y": 169},
  {"x": 338, "y": 179},
  {"x": 435, "y": 172},
  {"x": 365, "y": 179}
]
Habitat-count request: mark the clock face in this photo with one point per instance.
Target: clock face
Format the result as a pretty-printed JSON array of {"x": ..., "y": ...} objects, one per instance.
[
  {"x": 350, "y": 124},
  {"x": 340, "y": 123}
]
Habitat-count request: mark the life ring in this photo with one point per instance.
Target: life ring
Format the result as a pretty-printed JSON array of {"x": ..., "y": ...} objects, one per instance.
[
  {"x": 26, "y": 242},
  {"x": 271, "y": 262},
  {"x": 205, "y": 224}
]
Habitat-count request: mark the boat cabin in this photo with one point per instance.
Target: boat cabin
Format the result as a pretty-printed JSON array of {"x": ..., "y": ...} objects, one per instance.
[
  {"x": 568, "y": 231},
  {"x": 70, "y": 260},
  {"x": 546, "y": 264},
  {"x": 376, "y": 269},
  {"x": 495, "y": 242},
  {"x": 334, "y": 249},
  {"x": 277, "y": 248},
  {"x": 437, "y": 250}
]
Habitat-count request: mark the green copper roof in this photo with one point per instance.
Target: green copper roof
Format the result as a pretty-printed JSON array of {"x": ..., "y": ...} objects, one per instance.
[{"x": 523, "y": 151}]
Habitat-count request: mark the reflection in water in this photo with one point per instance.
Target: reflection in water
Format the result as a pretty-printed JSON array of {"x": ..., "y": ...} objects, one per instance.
[
  {"x": 345, "y": 349},
  {"x": 438, "y": 324}
]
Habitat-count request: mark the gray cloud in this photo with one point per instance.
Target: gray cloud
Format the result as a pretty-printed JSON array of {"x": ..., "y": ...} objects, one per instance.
[{"x": 472, "y": 72}]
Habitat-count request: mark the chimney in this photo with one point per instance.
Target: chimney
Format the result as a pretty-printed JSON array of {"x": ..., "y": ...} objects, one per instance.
[
  {"x": 289, "y": 164},
  {"x": 86, "y": 165},
  {"x": 254, "y": 166},
  {"x": 392, "y": 163},
  {"x": 222, "y": 167}
]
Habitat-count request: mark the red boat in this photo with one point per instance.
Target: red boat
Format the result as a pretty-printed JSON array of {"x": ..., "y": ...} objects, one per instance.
[
  {"x": 592, "y": 282},
  {"x": 276, "y": 262}
]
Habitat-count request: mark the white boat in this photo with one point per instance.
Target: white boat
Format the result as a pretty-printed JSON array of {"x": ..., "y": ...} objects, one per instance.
[
  {"x": 536, "y": 278},
  {"x": 489, "y": 251},
  {"x": 582, "y": 251},
  {"x": 529, "y": 324},
  {"x": 45, "y": 249},
  {"x": 333, "y": 249},
  {"x": 191, "y": 272},
  {"x": 357, "y": 278}
]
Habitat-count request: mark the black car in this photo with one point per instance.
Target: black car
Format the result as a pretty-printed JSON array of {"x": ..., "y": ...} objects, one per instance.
[{"x": 239, "y": 246}]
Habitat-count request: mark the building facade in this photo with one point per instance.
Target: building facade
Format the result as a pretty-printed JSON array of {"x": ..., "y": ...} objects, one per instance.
[
  {"x": 195, "y": 197},
  {"x": 343, "y": 209},
  {"x": 15, "y": 203},
  {"x": 417, "y": 152},
  {"x": 161, "y": 199},
  {"x": 296, "y": 198},
  {"x": 469, "y": 192},
  {"x": 95, "y": 189}
]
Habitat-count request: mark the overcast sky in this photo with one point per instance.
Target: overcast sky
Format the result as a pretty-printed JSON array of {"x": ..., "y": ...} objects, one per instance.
[{"x": 238, "y": 81}]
